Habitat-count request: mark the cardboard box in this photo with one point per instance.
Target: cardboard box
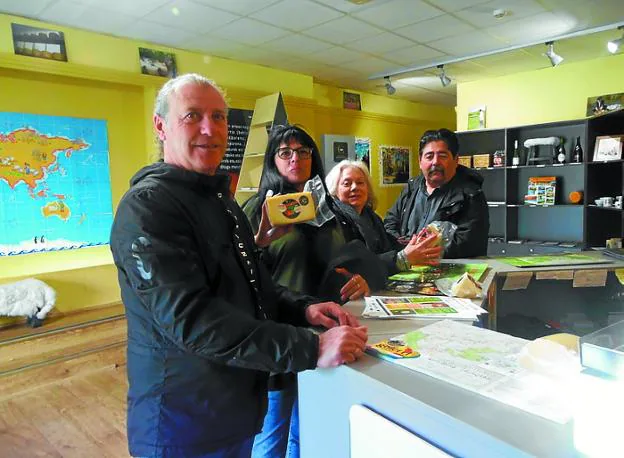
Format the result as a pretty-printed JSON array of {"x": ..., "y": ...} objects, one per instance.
[
  {"x": 481, "y": 160},
  {"x": 466, "y": 161}
]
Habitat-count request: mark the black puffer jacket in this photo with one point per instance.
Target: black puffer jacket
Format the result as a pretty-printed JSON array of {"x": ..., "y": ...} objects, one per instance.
[
  {"x": 464, "y": 204},
  {"x": 199, "y": 346}
]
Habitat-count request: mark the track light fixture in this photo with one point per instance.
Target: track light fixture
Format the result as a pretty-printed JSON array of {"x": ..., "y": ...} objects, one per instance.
[
  {"x": 618, "y": 43},
  {"x": 614, "y": 45},
  {"x": 555, "y": 59},
  {"x": 444, "y": 79},
  {"x": 390, "y": 89}
]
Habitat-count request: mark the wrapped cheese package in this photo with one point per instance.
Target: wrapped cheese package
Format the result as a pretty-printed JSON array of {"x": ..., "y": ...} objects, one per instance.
[
  {"x": 466, "y": 286},
  {"x": 432, "y": 229},
  {"x": 296, "y": 207}
]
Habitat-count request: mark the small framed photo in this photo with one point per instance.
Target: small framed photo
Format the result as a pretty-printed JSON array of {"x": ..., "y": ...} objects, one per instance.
[
  {"x": 351, "y": 101},
  {"x": 36, "y": 42},
  {"x": 157, "y": 63},
  {"x": 395, "y": 165},
  {"x": 608, "y": 148}
]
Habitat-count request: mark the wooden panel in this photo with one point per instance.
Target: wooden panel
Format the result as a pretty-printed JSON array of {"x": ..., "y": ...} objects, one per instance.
[
  {"x": 20, "y": 437},
  {"x": 47, "y": 347},
  {"x": 56, "y": 321},
  {"x": 264, "y": 111},
  {"x": 99, "y": 399},
  {"x": 257, "y": 140},
  {"x": 59, "y": 431},
  {"x": 46, "y": 374},
  {"x": 89, "y": 420},
  {"x": 77, "y": 417}
]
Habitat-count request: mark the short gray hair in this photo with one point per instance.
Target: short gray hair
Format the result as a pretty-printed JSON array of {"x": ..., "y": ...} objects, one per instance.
[
  {"x": 333, "y": 177},
  {"x": 161, "y": 105}
]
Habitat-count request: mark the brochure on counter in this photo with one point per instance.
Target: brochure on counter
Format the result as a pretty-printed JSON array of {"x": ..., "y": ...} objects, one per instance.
[
  {"x": 482, "y": 361},
  {"x": 421, "y": 307},
  {"x": 550, "y": 260},
  {"x": 421, "y": 280}
]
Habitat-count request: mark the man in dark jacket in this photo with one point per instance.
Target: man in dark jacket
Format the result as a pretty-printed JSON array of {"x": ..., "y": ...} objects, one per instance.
[
  {"x": 446, "y": 191},
  {"x": 206, "y": 324}
]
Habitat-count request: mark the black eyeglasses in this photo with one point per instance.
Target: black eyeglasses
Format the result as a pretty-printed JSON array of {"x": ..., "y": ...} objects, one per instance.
[{"x": 303, "y": 152}]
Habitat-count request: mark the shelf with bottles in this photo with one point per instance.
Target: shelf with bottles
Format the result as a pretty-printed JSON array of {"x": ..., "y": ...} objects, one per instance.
[
  {"x": 542, "y": 166},
  {"x": 554, "y": 143}
]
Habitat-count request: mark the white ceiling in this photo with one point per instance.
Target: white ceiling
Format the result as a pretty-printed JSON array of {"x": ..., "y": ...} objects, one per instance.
[{"x": 342, "y": 43}]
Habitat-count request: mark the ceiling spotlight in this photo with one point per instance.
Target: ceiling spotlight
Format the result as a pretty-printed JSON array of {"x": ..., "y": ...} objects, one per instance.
[
  {"x": 614, "y": 45},
  {"x": 555, "y": 59},
  {"x": 444, "y": 79},
  {"x": 390, "y": 89}
]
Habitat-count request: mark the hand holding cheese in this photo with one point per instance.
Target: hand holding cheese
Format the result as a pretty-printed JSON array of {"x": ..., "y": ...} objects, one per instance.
[
  {"x": 431, "y": 231},
  {"x": 296, "y": 207},
  {"x": 266, "y": 232},
  {"x": 423, "y": 249}
]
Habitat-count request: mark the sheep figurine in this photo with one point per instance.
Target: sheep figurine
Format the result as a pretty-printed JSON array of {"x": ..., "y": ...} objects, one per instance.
[{"x": 31, "y": 298}]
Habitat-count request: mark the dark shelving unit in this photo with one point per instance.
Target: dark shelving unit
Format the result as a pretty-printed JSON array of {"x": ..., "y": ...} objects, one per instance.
[{"x": 573, "y": 226}]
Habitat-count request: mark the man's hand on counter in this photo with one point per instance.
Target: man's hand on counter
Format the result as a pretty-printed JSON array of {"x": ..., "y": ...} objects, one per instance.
[
  {"x": 329, "y": 314},
  {"x": 341, "y": 344}
]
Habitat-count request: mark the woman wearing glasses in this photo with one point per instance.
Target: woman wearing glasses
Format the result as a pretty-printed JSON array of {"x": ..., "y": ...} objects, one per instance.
[{"x": 297, "y": 257}]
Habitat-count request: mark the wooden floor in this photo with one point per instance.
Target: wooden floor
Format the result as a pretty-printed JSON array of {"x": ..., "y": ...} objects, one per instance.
[
  {"x": 58, "y": 321},
  {"x": 80, "y": 417}
]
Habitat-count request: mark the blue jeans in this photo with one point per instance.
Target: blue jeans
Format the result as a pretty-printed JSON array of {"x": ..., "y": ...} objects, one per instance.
[
  {"x": 279, "y": 437},
  {"x": 239, "y": 450}
]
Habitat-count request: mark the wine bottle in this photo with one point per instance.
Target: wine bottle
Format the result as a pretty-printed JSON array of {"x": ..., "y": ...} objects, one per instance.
[
  {"x": 578, "y": 151},
  {"x": 561, "y": 152},
  {"x": 515, "y": 160}
]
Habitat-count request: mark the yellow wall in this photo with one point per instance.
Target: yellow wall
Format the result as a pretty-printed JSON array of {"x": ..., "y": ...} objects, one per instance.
[
  {"x": 122, "y": 107},
  {"x": 102, "y": 80},
  {"x": 103, "y": 51},
  {"x": 398, "y": 123},
  {"x": 551, "y": 94}
]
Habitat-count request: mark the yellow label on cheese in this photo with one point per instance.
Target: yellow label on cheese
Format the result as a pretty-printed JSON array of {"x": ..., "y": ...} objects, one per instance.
[{"x": 291, "y": 208}]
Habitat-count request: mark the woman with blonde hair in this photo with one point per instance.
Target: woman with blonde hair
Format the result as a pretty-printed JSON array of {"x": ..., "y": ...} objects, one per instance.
[{"x": 350, "y": 184}]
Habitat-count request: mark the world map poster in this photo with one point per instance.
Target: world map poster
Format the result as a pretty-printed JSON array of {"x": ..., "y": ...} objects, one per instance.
[{"x": 55, "y": 190}]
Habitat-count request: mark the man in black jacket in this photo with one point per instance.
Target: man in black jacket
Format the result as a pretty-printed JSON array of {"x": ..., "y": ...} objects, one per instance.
[
  {"x": 446, "y": 191},
  {"x": 206, "y": 324}
]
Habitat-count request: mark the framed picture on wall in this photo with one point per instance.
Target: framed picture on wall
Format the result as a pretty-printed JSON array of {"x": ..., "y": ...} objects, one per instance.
[
  {"x": 608, "y": 148},
  {"x": 36, "y": 42},
  {"x": 341, "y": 151},
  {"x": 362, "y": 151},
  {"x": 157, "y": 63},
  {"x": 396, "y": 164},
  {"x": 604, "y": 104},
  {"x": 351, "y": 101}
]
